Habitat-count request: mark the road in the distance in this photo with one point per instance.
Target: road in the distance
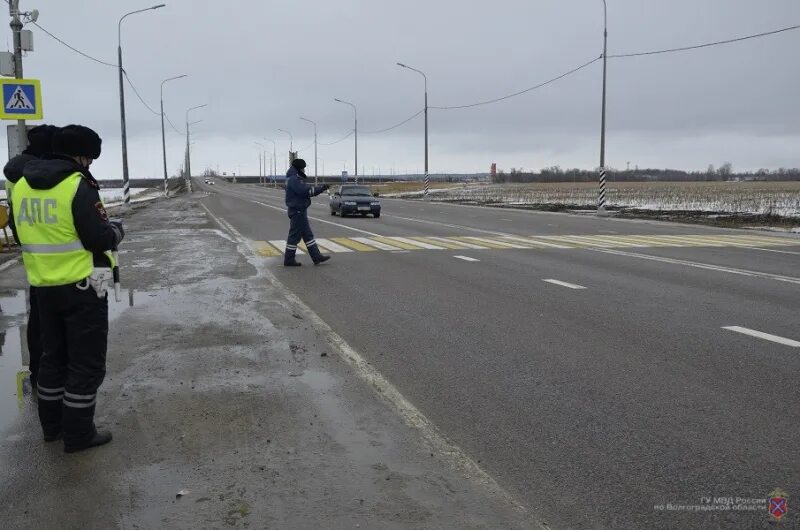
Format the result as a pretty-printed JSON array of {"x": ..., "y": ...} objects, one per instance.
[{"x": 594, "y": 396}]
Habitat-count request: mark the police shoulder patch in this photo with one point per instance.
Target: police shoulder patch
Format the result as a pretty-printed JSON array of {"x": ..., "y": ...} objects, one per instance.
[{"x": 101, "y": 210}]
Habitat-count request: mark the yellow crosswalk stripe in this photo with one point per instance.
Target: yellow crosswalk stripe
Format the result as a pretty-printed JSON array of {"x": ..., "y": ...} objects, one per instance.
[
  {"x": 262, "y": 248},
  {"x": 443, "y": 242},
  {"x": 484, "y": 242},
  {"x": 355, "y": 245},
  {"x": 401, "y": 244}
]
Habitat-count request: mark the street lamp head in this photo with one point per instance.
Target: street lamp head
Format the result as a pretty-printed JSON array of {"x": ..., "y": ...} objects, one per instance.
[
  {"x": 401, "y": 64},
  {"x": 159, "y": 6}
]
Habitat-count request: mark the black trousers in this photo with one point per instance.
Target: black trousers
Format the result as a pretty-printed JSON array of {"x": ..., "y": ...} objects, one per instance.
[
  {"x": 34, "y": 333},
  {"x": 299, "y": 228},
  {"x": 74, "y": 326}
]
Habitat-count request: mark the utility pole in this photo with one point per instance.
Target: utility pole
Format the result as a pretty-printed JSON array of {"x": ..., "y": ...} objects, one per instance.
[
  {"x": 163, "y": 135},
  {"x": 601, "y": 203},
  {"x": 16, "y": 29}
]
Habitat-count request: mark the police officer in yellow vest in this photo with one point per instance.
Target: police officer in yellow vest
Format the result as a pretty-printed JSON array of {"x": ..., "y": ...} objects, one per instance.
[
  {"x": 40, "y": 145},
  {"x": 66, "y": 240}
]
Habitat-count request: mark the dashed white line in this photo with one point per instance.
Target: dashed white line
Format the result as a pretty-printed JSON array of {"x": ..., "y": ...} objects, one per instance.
[
  {"x": 466, "y": 258},
  {"x": 564, "y": 284},
  {"x": 762, "y": 335}
]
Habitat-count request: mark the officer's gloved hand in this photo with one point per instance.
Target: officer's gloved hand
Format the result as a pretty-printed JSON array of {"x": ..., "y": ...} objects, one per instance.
[{"x": 119, "y": 232}]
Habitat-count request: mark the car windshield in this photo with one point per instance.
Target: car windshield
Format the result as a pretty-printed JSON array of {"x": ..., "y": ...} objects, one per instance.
[{"x": 358, "y": 192}]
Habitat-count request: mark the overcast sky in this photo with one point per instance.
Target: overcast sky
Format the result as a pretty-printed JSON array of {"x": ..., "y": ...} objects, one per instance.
[{"x": 260, "y": 64}]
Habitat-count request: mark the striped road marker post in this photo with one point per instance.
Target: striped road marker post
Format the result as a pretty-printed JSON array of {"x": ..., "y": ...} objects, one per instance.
[
  {"x": 126, "y": 191},
  {"x": 601, "y": 203},
  {"x": 427, "y": 185}
]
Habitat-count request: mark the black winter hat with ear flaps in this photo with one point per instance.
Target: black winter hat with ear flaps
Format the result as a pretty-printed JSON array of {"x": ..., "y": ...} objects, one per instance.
[
  {"x": 77, "y": 140},
  {"x": 299, "y": 164}
]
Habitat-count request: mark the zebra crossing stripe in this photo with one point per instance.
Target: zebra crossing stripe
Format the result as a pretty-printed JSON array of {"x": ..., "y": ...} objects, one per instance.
[
  {"x": 579, "y": 241},
  {"x": 281, "y": 246},
  {"x": 619, "y": 242},
  {"x": 488, "y": 241},
  {"x": 376, "y": 244},
  {"x": 463, "y": 244},
  {"x": 330, "y": 246},
  {"x": 536, "y": 241},
  {"x": 263, "y": 249},
  {"x": 355, "y": 245},
  {"x": 453, "y": 245},
  {"x": 391, "y": 241},
  {"x": 426, "y": 246}
]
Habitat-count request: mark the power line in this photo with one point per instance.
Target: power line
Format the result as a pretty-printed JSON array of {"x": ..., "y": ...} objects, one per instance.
[
  {"x": 395, "y": 126},
  {"x": 707, "y": 45},
  {"x": 348, "y": 135},
  {"x": 540, "y": 85},
  {"x": 130, "y": 83},
  {"x": 73, "y": 48}
]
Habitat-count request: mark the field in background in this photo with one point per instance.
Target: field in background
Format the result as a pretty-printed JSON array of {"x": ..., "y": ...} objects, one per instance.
[{"x": 767, "y": 199}]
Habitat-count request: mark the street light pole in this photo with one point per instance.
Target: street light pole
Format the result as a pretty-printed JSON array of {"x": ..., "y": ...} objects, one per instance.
[
  {"x": 274, "y": 161},
  {"x": 316, "y": 174},
  {"x": 262, "y": 161},
  {"x": 188, "y": 149},
  {"x": 355, "y": 131},
  {"x": 126, "y": 188},
  {"x": 425, "y": 77},
  {"x": 163, "y": 135},
  {"x": 291, "y": 144},
  {"x": 601, "y": 203}
]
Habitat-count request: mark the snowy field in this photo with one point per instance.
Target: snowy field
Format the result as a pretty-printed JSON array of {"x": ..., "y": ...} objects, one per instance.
[{"x": 757, "y": 198}]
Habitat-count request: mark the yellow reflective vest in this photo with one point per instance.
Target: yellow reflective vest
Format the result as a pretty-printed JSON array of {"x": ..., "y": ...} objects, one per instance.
[{"x": 51, "y": 247}]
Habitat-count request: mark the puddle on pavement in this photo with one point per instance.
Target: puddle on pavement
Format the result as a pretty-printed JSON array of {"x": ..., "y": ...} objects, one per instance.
[{"x": 15, "y": 387}]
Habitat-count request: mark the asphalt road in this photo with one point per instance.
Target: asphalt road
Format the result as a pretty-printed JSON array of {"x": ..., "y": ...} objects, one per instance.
[{"x": 598, "y": 383}]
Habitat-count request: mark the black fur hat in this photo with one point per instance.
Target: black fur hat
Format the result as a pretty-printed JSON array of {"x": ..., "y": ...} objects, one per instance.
[
  {"x": 40, "y": 140},
  {"x": 77, "y": 140},
  {"x": 299, "y": 164}
]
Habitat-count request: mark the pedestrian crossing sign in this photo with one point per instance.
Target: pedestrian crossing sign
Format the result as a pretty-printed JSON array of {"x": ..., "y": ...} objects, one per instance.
[{"x": 22, "y": 99}]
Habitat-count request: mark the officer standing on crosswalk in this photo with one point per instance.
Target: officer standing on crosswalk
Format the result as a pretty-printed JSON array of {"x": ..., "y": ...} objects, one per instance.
[
  {"x": 298, "y": 199},
  {"x": 67, "y": 240}
]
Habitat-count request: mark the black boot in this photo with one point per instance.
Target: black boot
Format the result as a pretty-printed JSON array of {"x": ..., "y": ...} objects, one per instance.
[
  {"x": 289, "y": 260},
  {"x": 321, "y": 259},
  {"x": 100, "y": 438}
]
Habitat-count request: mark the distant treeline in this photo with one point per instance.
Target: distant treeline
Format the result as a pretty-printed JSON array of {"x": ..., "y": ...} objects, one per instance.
[{"x": 724, "y": 173}]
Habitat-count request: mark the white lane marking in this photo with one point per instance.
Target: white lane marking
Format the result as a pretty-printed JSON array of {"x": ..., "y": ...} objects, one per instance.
[
  {"x": 333, "y": 247},
  {"x": 420, "y": 244},
  {"x": 466, "y": 258},
  {"x": 778, "y": 251},
  {"x": 697, "y": 265},
  {"x": 319, "y": 220},
  {"x": 762, "y": 335},
  {"x": 281, "y": 246},
  {"x": 377, "y": 244},
  {"x": 565, "y": 284}
]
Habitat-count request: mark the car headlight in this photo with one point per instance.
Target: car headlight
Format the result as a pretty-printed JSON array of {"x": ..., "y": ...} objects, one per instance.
[
  {"x": 349, "y": 203},
  {"x": 375, "y": 204}
]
